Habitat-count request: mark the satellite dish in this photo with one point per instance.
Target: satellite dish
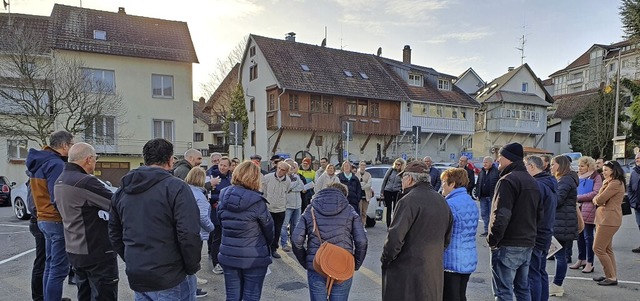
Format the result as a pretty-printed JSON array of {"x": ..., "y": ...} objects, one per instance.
[{"x": 379, "y": 51}]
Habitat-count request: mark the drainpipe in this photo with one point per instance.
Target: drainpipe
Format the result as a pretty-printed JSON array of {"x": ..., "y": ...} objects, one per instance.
[
  {"x": 279, "y": 121},
  {"x": 255, "y": 150}
]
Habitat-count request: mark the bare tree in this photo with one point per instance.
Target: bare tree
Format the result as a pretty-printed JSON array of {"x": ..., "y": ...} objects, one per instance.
[{"x": 41, "y": 92}]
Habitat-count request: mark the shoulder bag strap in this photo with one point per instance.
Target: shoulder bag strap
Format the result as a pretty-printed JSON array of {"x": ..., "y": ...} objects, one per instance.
[{"x": 315, "y": 225}]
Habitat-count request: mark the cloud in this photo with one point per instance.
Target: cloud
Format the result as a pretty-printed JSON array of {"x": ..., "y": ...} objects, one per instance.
[
  {"x": 414, "y": 9},
  {"x": 236, "y": 8},
  {"x": 461, "y": 37}
]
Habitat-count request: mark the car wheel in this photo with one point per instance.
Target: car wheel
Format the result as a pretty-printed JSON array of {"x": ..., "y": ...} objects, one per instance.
[{"x": 20, "y": 209}]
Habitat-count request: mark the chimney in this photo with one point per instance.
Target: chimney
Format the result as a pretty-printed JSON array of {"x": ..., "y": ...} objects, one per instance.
[
  {"x": 290, "y": 37},
  {"x": 201, "y": 101},
  {"x": 121, "y": 10},
  {"x": 510, "y": 69},
  {"x": 406, "y": 54}
]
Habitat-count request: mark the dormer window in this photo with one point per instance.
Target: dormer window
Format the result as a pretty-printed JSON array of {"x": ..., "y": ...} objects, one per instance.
[
  {"x": 444, "y": 84},
  {"x": 100, "y": 35},
  {"x": 305, "y": 67},
  {"x": 364, "y": 75},
  {"x": 415, "y": 80},
  {"x": 348, "y": 73}
]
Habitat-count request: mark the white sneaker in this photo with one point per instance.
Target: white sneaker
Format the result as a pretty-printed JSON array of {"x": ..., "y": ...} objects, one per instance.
[
  {"x": 365, "y": 230},
  {"x": 201, "y": 281},
  {"x": 217, "y": 269},
  {"x": 555, "y": 290}
]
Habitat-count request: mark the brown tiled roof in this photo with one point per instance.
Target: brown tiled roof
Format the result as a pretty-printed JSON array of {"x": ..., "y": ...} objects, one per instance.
[
  {"x": 583, "y": 59},
  {"x": 34, "y": 28},
  {"x": 428, "y": 92},
  {"x": 496, "y": 85},
  {"x": 326, "y": 70},
  {"x": 568, "y": 105},
  {"x": 198, "y": 113},
  {"x": 226, "y": 87},
  {"x": 127, "y": 35}
]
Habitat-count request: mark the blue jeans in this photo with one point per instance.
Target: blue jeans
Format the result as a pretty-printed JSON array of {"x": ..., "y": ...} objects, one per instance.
[
  {"x": 56, "y": 266},
  {"x": 184, "y": 291},
  {"x": 538, "y": 277},
  {"x": 585, "y": 243},
  {"x": 318, "y": 288},
  {"x": 561, "y": 262},
  {"x": 291, "y": 216},
  {"x": 485, "y": 211},
  {"x": 243, "y": 284},
  {"x": 510, "y": 273}
]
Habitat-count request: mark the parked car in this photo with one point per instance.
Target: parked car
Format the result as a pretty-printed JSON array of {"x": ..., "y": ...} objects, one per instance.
[
  {"x": 19, "y": 199},
  {"x": 5, "y": 191},
  {"x": 377, "y": 175}
]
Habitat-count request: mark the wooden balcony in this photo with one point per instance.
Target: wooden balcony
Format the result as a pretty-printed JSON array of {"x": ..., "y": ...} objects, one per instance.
[
  {"x": 222, "y": 148},
  {"x": 306, "y": 121}
]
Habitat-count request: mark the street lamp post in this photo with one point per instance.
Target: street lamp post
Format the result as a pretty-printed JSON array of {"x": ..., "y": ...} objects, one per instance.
[{"x": 615, "y": 123}]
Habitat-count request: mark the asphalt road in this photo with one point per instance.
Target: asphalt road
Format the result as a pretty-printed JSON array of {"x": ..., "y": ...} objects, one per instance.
[{"x": 287, "y": 280}]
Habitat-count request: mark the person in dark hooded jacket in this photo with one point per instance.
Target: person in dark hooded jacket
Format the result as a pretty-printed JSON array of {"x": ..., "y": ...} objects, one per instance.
[
  {"x": 565, "y": 228},
  {"x": 633, "y": 191},
  {"x": 547, "y": 184},
  {"x": 339, "y": 224},
  {"x": 247, "y": 234},
  {"x": 352, "y": 182},
  {"x": 192, "y": 158},
  {"x": 154, "y": 226}
]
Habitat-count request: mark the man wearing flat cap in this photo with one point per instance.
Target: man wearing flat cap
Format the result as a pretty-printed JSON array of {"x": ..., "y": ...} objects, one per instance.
[
  {"x": 515, "y": 211},
  {"x": 412, "y": 256}
]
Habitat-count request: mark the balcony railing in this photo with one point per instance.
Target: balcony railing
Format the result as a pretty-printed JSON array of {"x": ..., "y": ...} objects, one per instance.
[
  {"x": 216, "y": 127},
  {"x": 576, "y": 80},
  {"x": 333, "y": 123},
  {"x": 219, "y": 148}
]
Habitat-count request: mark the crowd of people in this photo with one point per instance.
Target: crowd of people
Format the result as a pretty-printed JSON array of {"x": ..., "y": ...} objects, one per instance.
[{"x": 165, "y": 210}]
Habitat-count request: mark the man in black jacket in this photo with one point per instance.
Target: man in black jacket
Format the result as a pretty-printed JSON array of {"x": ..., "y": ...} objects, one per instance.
[
  {"x": 487, "y": 180},
  {"x": 464, "y": 163},
  {"x": 515, "y": 212},
  {"x": 84, "y": 202},
  {"x": 154, "y": 226}
]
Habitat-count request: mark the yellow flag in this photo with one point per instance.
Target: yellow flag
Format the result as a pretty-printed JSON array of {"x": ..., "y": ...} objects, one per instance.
[{"x": 608, "y": 89}]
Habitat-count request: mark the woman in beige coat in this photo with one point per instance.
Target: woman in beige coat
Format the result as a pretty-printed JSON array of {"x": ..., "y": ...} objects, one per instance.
[
  {"x": 365, "y": 182},
  {"x": 608, "y": 219}
]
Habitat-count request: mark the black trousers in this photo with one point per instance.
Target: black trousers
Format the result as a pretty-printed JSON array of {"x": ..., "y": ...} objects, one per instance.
[
  {"x": 278, "y": 220},
  {"x": 215, "y": 239},
  {"x": 390, "y": 199},
  {"x": 38, "y": 264},
  {"x": 455, "y": 286},
  {"x": 98, "y": 281}
]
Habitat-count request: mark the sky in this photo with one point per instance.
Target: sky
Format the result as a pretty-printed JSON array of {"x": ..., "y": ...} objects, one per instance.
[{"x": 447, "y": 35}]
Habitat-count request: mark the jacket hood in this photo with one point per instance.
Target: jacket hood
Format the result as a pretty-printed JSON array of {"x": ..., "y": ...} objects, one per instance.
[
  {"x": 143, "y": 178},
  {"x": 238, "y": 199},
  {"x": 456, "y": 192},
  {"x": 329, "y": 201},
  {"x": 37, "y": 158},
  {"x": 182, "y": 162},
  {"x": 196, "y": 189},
  {"x": 514, "y": 166},
  {"x": 547, "y": 180}
]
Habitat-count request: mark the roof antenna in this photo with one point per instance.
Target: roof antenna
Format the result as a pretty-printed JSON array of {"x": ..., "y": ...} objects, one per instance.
[{"x": 521, "y": 49}]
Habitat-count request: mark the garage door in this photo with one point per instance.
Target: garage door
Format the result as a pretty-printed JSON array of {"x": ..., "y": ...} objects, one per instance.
[{"x": 112, "y": 171}]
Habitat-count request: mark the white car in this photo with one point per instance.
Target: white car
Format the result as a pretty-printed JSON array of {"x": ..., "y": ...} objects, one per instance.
[
  {"x": 377, "y": 175},
  {"x": 19, "y": 199}
]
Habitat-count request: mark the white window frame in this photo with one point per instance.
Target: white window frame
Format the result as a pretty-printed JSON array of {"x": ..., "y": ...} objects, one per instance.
[
  {"x": 108, "y": 136},
  {"x": 163, "y": 78},
  {"x": 444, "y": 146},
  {"x": 444, "y": 84},
  {"x": 17, "y": 149},
  {"x": 163, "y": 129},
  {"x": 99, "y": 35},
  {"x": 97, "y": 80},
  {"x": 415, "y": 80}
]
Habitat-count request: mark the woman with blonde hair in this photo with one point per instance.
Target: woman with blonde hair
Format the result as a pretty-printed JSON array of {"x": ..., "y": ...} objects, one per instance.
[
  {"x": 247, "y": 234},
  {"x": 391, "y": 187},
  {"x": 608, "y": 219},
  {"x": 565, "y": 226},
  {"x": 328, "y": 176},
  {"x": 590, "y": 184},
  {"x": 460, "y": 257},
  {"x": 196, "y": 180}
]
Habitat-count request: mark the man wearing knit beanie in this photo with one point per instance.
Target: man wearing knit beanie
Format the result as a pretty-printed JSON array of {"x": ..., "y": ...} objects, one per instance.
[{"x": 515, "y": 210}]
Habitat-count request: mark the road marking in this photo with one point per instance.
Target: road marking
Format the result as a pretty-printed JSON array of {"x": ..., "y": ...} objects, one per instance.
[
  {"x": 12, "y": 225},
  {"x": 17, "y": 256},
  {"x": 590, "y": 279},
  {"x": 371, "y": 275},
  {"x": 14, "y": 232}
]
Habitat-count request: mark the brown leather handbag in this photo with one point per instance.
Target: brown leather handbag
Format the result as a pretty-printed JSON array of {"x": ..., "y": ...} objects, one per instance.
[{"x": 331, "y": 261}]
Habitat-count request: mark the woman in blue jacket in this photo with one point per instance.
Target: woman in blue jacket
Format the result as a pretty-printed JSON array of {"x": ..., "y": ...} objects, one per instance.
[
  {"x": 247, "y": 234},
  {"x": 460, "y": 257}
]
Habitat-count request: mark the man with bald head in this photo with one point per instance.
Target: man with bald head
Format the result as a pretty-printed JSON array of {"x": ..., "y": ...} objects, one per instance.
[
  {"x": 84, "y": 203},
  {"x": 192, "y": 158},
  {"x": 434, "y": 173},
  {"x": 275, "y": 186}
]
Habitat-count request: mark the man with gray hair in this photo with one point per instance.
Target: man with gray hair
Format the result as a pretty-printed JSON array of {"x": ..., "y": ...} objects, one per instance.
[
  {"x": 547, "y": 184},
  {"x": 274, "y": 187},
  {"x": 192, "y": 158},
  {"x": 84, "y": 203},
  {"x": 487, "y": 180},
  {"x": 45, "y": 166},
  {"x": 412, "y": 262},
  {"x": 434, "y": 173}
]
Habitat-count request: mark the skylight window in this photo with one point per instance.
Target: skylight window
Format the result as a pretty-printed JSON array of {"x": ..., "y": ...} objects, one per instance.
[
  {"x": 364, "y": 75},
  {"x": 348, "y": 73},
  {"x": 100, "y": 35},
  {"x": 305, "y": 67}
]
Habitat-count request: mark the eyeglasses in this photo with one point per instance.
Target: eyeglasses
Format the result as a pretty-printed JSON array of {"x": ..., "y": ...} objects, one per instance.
[{"x": 97, "y": 157}]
